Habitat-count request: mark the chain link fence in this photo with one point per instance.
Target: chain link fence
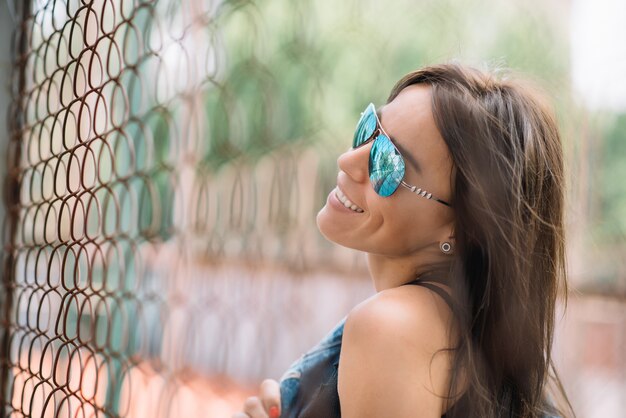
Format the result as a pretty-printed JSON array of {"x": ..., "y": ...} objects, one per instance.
[{"x": 149, "y": 179}]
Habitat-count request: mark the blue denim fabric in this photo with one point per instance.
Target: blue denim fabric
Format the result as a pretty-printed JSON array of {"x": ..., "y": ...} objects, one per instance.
[{"x": 314, "y": 366}]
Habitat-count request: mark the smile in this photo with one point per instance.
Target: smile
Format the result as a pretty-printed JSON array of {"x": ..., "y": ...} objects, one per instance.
[{"x": 346, "y": 202}]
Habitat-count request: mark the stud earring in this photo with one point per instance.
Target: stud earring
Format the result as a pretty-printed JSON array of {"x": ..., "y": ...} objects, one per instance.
[{"x": 446, "y": 247}]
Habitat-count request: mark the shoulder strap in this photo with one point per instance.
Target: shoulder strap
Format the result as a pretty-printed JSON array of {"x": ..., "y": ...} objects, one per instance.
[{"x": 444, "y": 295}]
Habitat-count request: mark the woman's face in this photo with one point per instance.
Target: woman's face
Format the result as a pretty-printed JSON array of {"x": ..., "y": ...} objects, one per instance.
[{"x": 403, "y": 223}]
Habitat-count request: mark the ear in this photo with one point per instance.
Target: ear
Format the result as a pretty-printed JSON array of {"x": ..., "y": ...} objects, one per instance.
[{"x": 447, "y": 242}]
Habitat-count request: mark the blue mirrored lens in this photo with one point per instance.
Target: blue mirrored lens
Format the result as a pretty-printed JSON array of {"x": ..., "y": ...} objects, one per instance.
[
  {"x": 386, "y": 166},
  {"x": 365, "y": 127}
]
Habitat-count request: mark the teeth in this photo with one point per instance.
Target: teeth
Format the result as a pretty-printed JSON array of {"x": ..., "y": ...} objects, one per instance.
[{"x": 346, "y": 202}]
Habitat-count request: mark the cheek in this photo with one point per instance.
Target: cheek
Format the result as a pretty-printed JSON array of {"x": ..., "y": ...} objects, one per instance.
[{"x": 408, "y": 228}]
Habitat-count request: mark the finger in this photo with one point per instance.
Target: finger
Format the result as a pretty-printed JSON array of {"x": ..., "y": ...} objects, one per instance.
[
  {"x": 270, "y": 396},
  {"x": 253, "y": 407},
  {"x": 240, "y": 415}
]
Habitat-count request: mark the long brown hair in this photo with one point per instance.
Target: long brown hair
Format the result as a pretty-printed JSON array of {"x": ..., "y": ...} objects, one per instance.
[{"x": 509, "y": 263}]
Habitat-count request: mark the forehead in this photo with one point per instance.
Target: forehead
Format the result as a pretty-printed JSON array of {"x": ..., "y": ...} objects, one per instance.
[{"x": 409, "y": 120}]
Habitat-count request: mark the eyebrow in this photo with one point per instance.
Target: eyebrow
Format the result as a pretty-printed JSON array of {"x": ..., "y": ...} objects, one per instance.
[{"x": 405, "y": 154}]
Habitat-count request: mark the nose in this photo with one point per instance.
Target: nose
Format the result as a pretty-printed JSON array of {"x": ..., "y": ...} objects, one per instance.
[{"x": 354, "y": 162}]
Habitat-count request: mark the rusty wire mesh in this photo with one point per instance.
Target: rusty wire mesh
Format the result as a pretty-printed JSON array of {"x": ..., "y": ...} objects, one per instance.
[{"x": 148, "y": 178}]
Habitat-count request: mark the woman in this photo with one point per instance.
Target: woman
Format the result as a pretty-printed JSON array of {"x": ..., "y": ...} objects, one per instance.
[{"x": 455, "y": 190}]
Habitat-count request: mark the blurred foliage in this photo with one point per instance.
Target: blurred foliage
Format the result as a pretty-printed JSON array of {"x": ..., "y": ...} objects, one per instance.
[
  {"x": 611, "y": 172},
  {"x": 316, "y": 64}
]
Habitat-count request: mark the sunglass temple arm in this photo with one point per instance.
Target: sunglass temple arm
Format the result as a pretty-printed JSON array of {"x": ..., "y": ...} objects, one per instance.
[{"x": 422, "y": 193}]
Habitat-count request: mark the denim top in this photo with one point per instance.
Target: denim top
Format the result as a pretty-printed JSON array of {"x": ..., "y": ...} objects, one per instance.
[{"x": 308, "y": 388}]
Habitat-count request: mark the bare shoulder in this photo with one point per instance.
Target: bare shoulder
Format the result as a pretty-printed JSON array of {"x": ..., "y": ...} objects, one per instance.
[
  {"x": 394, "y": 355},
  {"x": 415, "y": 313}
]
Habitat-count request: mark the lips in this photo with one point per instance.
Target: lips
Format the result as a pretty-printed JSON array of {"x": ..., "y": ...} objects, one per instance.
[{"x": 347, "y": 202}]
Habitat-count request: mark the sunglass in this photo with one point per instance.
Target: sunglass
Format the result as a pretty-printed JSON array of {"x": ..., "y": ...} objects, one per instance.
[{"x": 386, "y": 165}]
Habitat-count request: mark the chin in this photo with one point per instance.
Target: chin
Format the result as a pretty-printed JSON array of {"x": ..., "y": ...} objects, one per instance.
[
  {"x": 324, "y": 225},
  {"x": 332, "y": 230}
]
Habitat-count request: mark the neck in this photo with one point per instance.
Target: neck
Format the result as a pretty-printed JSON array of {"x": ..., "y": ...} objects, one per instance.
[{"x": 388, "y": 272}]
